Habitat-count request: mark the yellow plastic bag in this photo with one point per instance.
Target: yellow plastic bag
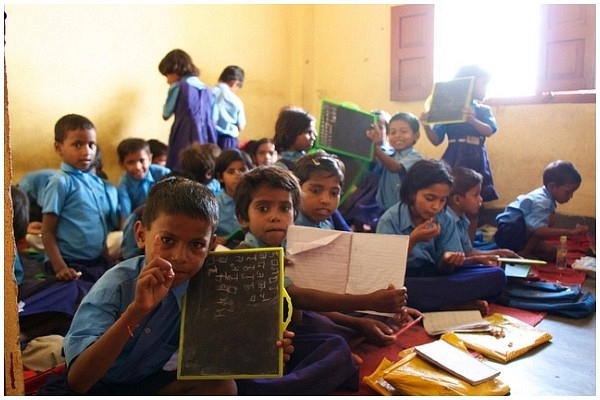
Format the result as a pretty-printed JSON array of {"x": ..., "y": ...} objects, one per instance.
[
  {"x": 414, "y": 376},
  {"x": 517, "y": 338}
]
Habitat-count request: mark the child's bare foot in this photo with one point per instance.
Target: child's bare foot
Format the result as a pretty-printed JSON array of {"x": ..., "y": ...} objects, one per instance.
[{"x": 480, "y": 305}]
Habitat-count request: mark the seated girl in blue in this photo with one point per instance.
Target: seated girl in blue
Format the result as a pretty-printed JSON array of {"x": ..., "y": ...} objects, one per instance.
[{"x": 435, "y": 275}]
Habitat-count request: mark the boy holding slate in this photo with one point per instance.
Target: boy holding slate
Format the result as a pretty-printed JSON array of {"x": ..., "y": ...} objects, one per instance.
[
  {"x": 127, "y": 327},
  {"x": 402, "y": 136},
  {"x": 267, "y": 200}
]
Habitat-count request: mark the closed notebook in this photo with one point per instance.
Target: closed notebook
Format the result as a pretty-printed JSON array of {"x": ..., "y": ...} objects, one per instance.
[
  {"x": 456, "y": 361},
  {"x": 438, "y": 322}
]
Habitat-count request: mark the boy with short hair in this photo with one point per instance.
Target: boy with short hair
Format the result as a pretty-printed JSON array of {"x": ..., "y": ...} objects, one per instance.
[
  {"x": 77, "y": 209},
  {"x": 527, "y": 222},
  {"x": 127, "y": 327},
  {"x": 402, "y": 135},
  {"x": 465, "y": 199},
  {"x": 140, "y": 174}
]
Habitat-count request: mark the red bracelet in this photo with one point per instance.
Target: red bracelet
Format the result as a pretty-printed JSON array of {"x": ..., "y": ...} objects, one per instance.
[{"x": 130, "y": 326}]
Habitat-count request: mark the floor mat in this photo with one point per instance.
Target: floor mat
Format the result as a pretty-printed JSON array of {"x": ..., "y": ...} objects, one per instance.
[{"x": 416, "y": 335}]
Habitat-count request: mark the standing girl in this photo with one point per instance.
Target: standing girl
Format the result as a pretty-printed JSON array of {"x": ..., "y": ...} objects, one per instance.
[
  {"x": 191, "y": 102},
  {"x": 466, "y": 140},
  {"x": 435, "y": 275}
]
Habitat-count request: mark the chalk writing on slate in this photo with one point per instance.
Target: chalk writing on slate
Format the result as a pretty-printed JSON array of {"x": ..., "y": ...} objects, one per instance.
[
  {"x": 232, "y": 316},
  {"x": 343, "y": 130}
]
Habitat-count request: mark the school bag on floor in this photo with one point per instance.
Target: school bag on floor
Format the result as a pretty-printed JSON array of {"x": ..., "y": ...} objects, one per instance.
[{"x": 564, "y": 300}]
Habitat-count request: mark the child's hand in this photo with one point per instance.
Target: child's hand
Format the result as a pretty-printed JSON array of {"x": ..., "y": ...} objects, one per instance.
[
  {"x": 222, "y": 240},
  {"x": 34, "y": 228},
  {"x": 507, "y": 253},
  {"x": 154, "y": 280},
  {"x": 375, "y": 135},
  {"x": 67, "y": 274},
  {"x": 452, "y": 259},
  {"x": 425, "y": 231},
  {"x": 286, "y": 345},
  {"x": 424, "y": 117},
  {"x": 376, "y": 332},
  {"x": 388, "y": 300},
  {"x": 485, "y": 259}
]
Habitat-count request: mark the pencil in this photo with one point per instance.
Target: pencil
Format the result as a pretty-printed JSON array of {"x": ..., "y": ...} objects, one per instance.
[{"x": 408, "y": 326}]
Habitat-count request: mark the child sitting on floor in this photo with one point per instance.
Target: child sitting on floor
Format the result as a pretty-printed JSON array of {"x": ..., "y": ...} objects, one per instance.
[
  {"x": 139, "y": 176},
  {"x": 127, "y": 327},
  {"x": 528, "y": 221},
  {"x": 465, "y": 199},
  {"x": 435, "y": 274}
]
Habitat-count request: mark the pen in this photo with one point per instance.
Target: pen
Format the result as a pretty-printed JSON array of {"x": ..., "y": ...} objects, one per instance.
[{"x": 408, "y": 326}]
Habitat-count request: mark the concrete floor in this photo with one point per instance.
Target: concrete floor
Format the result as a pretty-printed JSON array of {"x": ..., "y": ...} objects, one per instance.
[{"x": 566, "y": 366}]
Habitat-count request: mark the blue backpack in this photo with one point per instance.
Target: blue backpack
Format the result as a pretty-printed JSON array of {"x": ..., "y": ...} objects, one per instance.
[{"x": 565, "y": 300}]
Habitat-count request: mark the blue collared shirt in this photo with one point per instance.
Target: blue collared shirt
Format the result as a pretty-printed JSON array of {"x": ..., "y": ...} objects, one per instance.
[
  {"x": 303, "y": 220},
  {"x": 425, "y": 256},
  {"x": 388, "y": 192},
  {"x": 228, "y": 111},
  {"x": 228, "y": 222},
  {"x": 82, "y": 205},
  {"x": 462, "y": 228},
  {"x": 535, "y": 207},
  {"x": 154, "y": 341},
  {"x": 133, "y": 192}
]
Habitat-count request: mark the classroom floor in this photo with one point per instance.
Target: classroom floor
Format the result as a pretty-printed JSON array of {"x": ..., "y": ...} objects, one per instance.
[{"x": 566, "y": 366}]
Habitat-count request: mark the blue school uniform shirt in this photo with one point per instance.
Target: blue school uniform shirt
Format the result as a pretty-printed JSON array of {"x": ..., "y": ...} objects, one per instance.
[
  {"x": 462, "y": 228},
  {"x": 287, "y": 159},
  {"x": 214, "y": 186},
  {"x": 425, "y": 256},
  {"x": 228, "y": 222},
  {"x": 388, "y": 192},
  {"x": 535, "y": 207},
  {"x": 154, "y": 341},
  {"x": 80, "y": 201},
  {"x": 133, "y": 192},
  {"x": 228, "y": 111},
  {"x": 302, "y": 220},
  {"x": 34, "y": 184}
]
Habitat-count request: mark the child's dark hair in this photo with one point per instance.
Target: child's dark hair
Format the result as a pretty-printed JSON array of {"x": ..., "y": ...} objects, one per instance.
[
  {"x": 422, "y": 174},
  {"x": 322, "y": 161},
  {"x": 197, "y": 162},
  {"x": 178, "y": 195},
  {"x": 383, "y": 114},
  {"x": 157, "y": 148},
  {"x": 98, "y": 165},
  {"x": 561, "y": 173},
  {"x": 291, "y": 122},
  {"x": 227, "y": 157},
  {"x": 178, "y": 62},
  {"x": 473, "y": 70},
  {"x": 232, "y": 73},
  {"x": 465, "y": 179},
  {"x": 131, "y": 145},
  {"x": 70, "y": 122},
  {"x": 271, "y": 176},
  {"x": 20, "y": 204},
  {"x": 409, "y": 118}
]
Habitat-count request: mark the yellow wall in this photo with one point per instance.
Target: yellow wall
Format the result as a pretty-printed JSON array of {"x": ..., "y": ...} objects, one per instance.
[{"x": 101, "y": 61}]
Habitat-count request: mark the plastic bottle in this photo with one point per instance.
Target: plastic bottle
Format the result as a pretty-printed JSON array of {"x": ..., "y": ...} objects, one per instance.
[{"x": 561, "y": 253}]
